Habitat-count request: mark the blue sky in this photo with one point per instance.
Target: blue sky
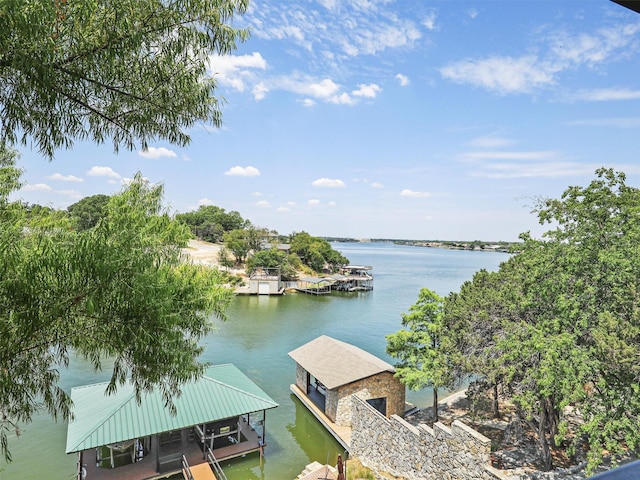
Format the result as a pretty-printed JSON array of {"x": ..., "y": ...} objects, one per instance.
[{"x": 394, "y": 119}]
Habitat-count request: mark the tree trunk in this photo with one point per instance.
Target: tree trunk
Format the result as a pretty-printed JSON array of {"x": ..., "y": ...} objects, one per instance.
[
  {"x": 554, "y": 419},
  {"x": 545, "y": 451},
  {"x": 435, "y": 405},
  {"x": 496, "y": 407}
]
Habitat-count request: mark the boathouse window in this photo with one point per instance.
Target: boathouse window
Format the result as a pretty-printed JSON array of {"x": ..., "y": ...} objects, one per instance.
[{"x": 380, "y": 404}]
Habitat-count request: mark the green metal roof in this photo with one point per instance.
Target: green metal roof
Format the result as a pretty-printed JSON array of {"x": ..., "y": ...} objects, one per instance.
[{"x": 100, "y": 419}]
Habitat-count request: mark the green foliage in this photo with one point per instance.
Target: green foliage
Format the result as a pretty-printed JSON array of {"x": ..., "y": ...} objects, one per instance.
[
  {"x": 272, "y": 258},
  {"x": 127, "y": 71},
  {"x": 418, "y": 347},
  {"x": 87, "y": 212},
  {"x": 316, "y": 253},
  {"x": 120, "y": 290},
  {"x": 223, "y": 258},
  {"x": 210, "y": 223},
  {"x": 559, "y": 323},
  {"x": 236, "y": 241}
]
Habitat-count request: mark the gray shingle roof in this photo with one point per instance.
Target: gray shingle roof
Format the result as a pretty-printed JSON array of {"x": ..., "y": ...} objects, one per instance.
[{"x": 336, "y": 363}]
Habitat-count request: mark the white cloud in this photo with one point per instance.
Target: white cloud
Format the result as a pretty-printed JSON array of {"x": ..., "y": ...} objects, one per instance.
[
  {"x": 523, "y": 164},
  {"x": 65, "y": 178},
  {"x": 403, "y": 80},
  {"x": 368, "y": 29},
  {"x": 329, "y": 183},
  {"x": 370, "y": 41},
  {"x": 411, "y": 193},
  {"x": 71, "y": 194},
  {"x": 329, "y": 4},
  {"x": 342, "y": 99},
  {"x": 535, "y": 155},
  {"x": 238, "y": 171},
  {"x": 473, "y": 13},
  {"x": 429, "y": 20},
  {"x": 490, "y": 142},
  {"x": 501, "y": 74},
  {"x": 554, "y": 169},
  {"x": 591, "y": 49},
  {"x": 377, "y": 185},
  {"x": 314, "y": 201},
  {"x": 260, "y": 91},
  {"x": 205, "y": 201},
  {"x": 367, "y": 91},
  {"x": 332, "y": 203},
  {"x": 263, "y": 203},
  {"x": 620, "y": 122},
  {"x": 157, "y": 152},
  {"x": 37, "y": 187},
  {"x": 607, "y": 94},
  {"x": 257, "y": 194},
  {"x": 235, "y": 70},
  {"x": 326, "y": 88},
  {"x": 560, "y": 51},
  {"x": 103, "y": 172}
]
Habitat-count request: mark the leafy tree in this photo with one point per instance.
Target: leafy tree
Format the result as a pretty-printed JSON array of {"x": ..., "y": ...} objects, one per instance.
[
  {"x": 42, "y": 215},
  {"x": 559, "y": 322},
  {"x": 210, "y": 222},
  {"x": 120, "y": 290},
  {"x": 316, "y": 252},
  {"x": 257, "y": 238},
  {"x": 272, "y": 258},
  {"x": 128, "y": 71},
  {"x": 596, "y": 291},
  {"x": 87, "y": 212},
  {"x": 236, "y": 242},
  {"x": 422, "y": 361},
  {"x": 477, "y": 321},
  {"x": 223, "y": 258}
]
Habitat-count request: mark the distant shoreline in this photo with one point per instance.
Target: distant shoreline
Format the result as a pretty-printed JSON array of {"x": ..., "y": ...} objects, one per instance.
[{"x": 475, "y": 246}]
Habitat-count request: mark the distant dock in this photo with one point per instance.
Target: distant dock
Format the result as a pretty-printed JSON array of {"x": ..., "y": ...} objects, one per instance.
[{"x": 351, "y": 278}]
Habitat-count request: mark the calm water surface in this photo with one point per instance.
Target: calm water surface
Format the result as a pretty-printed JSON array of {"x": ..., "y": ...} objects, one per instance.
[{"x": 257, "y": 337}]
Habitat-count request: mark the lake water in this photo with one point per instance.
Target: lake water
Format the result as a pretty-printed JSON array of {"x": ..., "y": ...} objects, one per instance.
[{"x": 258, "y": 335}]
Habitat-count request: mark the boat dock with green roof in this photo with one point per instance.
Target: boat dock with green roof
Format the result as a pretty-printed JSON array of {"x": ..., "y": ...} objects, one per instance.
[{"x": 223, "y": 413}]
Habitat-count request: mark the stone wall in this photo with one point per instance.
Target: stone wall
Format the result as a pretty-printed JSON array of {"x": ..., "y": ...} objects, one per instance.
[
  {"x": 301, "y": 378},
  {"x": 415, "y": 453},
  {"x": 381, "y": 385}
]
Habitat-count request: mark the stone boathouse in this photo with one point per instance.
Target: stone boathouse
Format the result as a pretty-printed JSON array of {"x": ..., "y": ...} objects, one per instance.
[{"x": 329, "y": 372}]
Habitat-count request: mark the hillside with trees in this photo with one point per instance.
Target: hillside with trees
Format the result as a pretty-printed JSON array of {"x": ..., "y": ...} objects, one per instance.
[
  {"x": 555, "y": 332},
  {"x": 258, "y": 248}
]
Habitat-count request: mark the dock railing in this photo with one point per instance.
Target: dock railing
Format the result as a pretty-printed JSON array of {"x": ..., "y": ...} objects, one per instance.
[
  {"x": 186, "y": 471},
  {"x": 215, "y": 466}
]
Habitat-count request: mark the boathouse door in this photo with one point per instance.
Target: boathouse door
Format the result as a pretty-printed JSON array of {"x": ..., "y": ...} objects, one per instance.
[
  {"x": 263, "y": 288},
  {"x": 380, "y": 404}
]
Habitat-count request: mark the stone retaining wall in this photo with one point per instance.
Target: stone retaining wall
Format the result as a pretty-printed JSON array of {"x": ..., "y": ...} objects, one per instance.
[{"x": 415, "y": 453}]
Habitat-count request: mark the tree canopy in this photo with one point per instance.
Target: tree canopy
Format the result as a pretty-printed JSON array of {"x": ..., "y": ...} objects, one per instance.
[
  {"x": 557, "y": 327},
  {"x": 419, "y": 347},
  {"x": 211, "y": 222},
  {"x": 128, "y": 71},
  {"x": 316, "y": 252},
  {"x": 86, "y": 213},
  {"x": 121, "y": 290}
]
